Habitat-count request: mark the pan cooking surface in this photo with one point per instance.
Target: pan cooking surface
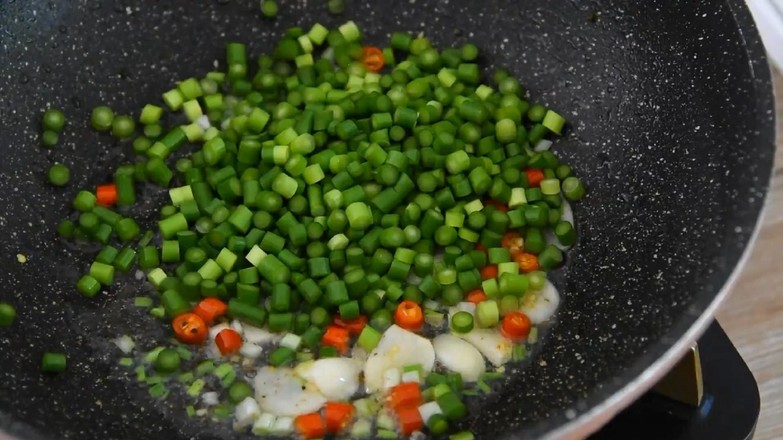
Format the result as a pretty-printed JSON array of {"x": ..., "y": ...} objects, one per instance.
[{"x": 671, "y": 116}]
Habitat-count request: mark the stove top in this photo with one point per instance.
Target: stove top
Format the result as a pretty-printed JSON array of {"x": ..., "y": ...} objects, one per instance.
[{"x": 728, "y": 408}]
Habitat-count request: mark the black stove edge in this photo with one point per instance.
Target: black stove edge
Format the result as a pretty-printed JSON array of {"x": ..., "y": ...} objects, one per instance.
[{"x": 729, "y": 408}]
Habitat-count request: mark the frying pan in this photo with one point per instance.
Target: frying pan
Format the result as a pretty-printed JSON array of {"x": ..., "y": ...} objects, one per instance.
[{"x": 671, "y": 118}]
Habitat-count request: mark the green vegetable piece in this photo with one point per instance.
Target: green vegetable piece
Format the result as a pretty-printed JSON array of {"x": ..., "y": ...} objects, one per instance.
[
  {"x": 59, "y": 175},
  {"x": 53, "y": 119},
  {"x": 53, "y": 362},
  {"x": 102, "y": 118},
  {"x": 269, "y": 8},
  {"x": 49, "y": 138},
  {"x": 239, "y": 391},
  {"x": 7, "y": 314},
  {"x": 168, "y": 361}
]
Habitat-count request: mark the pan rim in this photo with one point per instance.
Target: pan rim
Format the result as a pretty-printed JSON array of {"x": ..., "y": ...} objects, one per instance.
[
  {"x": 593, "y": 420},
  {"x": 589, "y": 422}
]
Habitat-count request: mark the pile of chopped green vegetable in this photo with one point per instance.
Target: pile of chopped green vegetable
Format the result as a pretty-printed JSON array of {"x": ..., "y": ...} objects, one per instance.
[{"x": 349, "y": 199}]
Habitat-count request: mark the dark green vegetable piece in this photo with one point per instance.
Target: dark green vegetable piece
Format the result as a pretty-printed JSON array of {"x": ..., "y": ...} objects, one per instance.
[
  {"x": 239, "y": 391},
  {"x": 49, "y": 138},
  {"x": 269, "y": 8},
  {"x": 335, "y": 7},
  {"x": 168, "y": 361},
  {"x": 550, "y": 258},
  {"x": 102, "y": 118},
  {"x": 53, "y": 362},
  {"x": 59, "y": 175},
  {"x": 7, "y": 314},
  {"x": 53, "y": 119},
  {"x": 572, "y": 188},
  {"x": 123, "y": 126}
]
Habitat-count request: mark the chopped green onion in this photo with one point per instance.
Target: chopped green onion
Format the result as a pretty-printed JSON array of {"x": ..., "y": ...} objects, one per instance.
[
  {"x": 269, "y": 8},
  {"x": 464, "y": 435},
  {"x": 49, "y": 138},
  {"x": 7, "y": 314},
  {"x": 462, "y": 322},
  {"x": 553, "y": 122},
  {"x": 53, "y": 119},
  {"x": 168, "y": 361},
  {"x": 123, "y": 126},
  {"x": 142, "y": 301},
  {"x": 518, "y": 353},
  {"x": 369, "y": 338},
  {"x": 195, "y": 388},
  {"x": 487, "y": 314},
  {"x": 59, "y": 175},
  {"x": 226, "y": 374},
  {"x": 573, "y": 189},
  {"x": 53, "y": 362},
  {"x": 239, "y": 391},
  {"x": 102, "y": 118}
]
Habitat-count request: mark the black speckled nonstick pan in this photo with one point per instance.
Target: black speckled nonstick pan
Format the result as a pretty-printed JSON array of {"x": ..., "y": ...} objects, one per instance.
[{"x": 671, "y": 128}]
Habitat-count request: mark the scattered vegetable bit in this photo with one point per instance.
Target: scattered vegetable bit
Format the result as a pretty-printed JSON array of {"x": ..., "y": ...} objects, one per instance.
[
  {"x": 59, "y": 175},
  {"x": 462, "y": 322},
  {"x": 527, "y": 262},
  {"x": 464, "y": 435},
  {"x": 7, "y": 314},
  {"x": 534, "y": 177},
  {"x": 102, "y": 118},
  {"x": 190, "y": 328},
  {"x": 106, "y": 195},
  {"x": 354, "y": 326},
  {"x": 49, "y": 138},
  {"x": 336, "y": 7},
  {"x": 209, "y": 309},
  {"x": 476, "y": 296},
  {"x": 53, "y": 119},
  {"x": 338, "y": 416},
  {"x": 336, "y": 337},
  {"x": 409, "y": 419},
  {"x": 310, "y": 426},
  {"x": 489, "y": 272},
  {"x": 123, "y": 126},
  {"x": 519, "y": 353},
  {"x": 573, "y": 189},
  {"x": 228, "y": 341},
  {"x": 372, "y": 58},
  {"x": 406, "y": 394},
  {"x": 269, "y": 8},
  {"x": 88, "y": 286},
  {"x": 239, "y": 391},
  {"x": 409, "y": 316},
  {"x": 168, "y": 361},
  {"x": 515, "y": 326},
  {"x": 53, "y": 362}
]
